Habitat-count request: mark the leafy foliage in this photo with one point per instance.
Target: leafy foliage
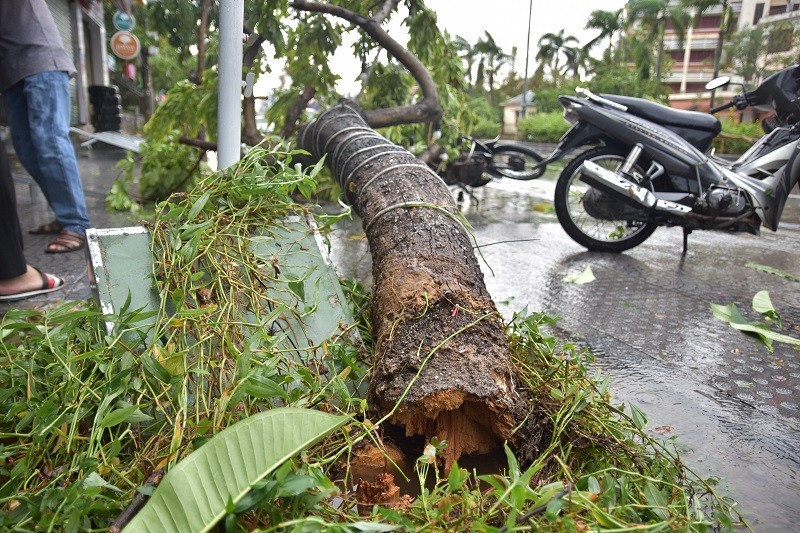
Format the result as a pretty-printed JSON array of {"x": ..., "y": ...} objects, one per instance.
[
  {"x": 621, "y": 79},
  {"x": 736, "y": 136},
  {"x": 542, "y": 127},
  {"x": 168, "y": 166},
  {"x": 749, "y": 48}
]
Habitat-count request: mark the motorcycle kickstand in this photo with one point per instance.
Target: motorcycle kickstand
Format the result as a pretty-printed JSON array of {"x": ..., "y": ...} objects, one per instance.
[{"x": 686, "y": 232}]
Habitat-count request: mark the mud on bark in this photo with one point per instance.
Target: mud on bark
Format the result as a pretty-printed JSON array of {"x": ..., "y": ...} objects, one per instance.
[{"x": 443, "y": 366}]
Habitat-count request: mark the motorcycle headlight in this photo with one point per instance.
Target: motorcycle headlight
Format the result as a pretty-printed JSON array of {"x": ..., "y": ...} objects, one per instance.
[{"x": 570, "y": 111}]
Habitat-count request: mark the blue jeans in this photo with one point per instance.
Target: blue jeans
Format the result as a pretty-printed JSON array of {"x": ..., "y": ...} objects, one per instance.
[{"x": 38, "y": 111}]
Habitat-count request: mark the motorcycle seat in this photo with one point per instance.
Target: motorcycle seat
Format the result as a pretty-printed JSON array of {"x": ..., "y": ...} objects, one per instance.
[{"x": 667, "y": 116}]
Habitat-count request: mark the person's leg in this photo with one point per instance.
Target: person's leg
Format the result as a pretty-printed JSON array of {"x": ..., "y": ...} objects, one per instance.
[
  {"x": 18, "y": 280},
  {"x": 17, "y": 112},
  {"x": 12, "y": 261},
  {"x": 51, "y": 154}
]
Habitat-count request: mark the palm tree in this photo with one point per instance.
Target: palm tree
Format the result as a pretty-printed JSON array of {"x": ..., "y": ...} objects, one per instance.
[
  {"x": 652, "y": 16},
  {"x": 491, "y": 59},
  {"x": 577, "y": 61},
  {"x": 609, "y": 23},
  {"x": 468, "y": 53},
  {"x": 552, "y": 46}
]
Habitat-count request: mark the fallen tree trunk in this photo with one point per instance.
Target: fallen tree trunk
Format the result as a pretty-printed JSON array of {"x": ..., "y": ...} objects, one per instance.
[{"x": 443, "y": 365}]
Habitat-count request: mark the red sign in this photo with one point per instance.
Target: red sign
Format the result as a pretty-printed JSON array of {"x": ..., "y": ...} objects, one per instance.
[{"x": 125, "y": 45}]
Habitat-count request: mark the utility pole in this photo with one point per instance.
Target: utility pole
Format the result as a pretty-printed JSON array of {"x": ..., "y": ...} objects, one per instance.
[
  {"x": 229, "y": 113},
  {"x": 527, "y": 53}
]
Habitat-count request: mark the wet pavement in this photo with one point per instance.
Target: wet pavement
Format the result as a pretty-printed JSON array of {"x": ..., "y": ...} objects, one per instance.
[{"x": 732, "y": 406}]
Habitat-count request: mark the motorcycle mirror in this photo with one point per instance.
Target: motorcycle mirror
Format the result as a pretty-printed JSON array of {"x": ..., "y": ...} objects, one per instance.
[{"x": 716, "y": 83}]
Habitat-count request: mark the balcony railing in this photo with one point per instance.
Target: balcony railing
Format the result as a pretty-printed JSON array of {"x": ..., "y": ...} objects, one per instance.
[{"x": 697, "y": 44}]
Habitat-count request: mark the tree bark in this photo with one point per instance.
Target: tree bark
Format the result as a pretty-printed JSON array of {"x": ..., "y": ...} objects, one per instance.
[
  {"x": 205, "y": 8},
  {"x": 443, "y": 365},
  {"x": 251, "y": 135}
]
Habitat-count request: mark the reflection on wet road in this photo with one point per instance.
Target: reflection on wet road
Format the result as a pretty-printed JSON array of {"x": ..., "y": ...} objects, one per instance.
[{"x": 732, "y": 406}]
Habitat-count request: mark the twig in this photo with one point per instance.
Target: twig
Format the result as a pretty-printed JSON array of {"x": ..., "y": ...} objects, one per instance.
[{"x": 138, "y": 502}]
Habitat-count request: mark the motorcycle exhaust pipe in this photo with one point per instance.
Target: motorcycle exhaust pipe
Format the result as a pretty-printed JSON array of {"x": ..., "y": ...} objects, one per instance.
[{"x": 628, "y": 191}]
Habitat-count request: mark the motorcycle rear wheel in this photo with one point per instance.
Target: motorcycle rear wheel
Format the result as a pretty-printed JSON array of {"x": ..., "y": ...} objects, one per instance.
[
  {"x": 597, "y": 235},
  {"x": 516, "y": 163}
]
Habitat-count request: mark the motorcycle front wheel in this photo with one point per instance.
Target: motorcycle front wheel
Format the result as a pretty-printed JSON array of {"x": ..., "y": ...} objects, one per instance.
[
  {"x": 596, "y": 234},
  {"x": 516, "y": 163}
]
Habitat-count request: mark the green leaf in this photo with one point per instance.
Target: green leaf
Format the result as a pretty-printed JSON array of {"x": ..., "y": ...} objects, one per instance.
[
  {"x": 773, "y": 271},
  {"x": 657, "y": 501},
  {"x": 198, "y": 206},
  {"x": 731, "y": 314},
  {"x": 763, "y": 304},
  {"x": 587, "y": 276},
  {"x": 96, "y": 480},
  {"x": 154, "y": 368},
  {"x": 118, "y": 416},
  {"x": 298, "y": 287},
  {"x": 194, "y": 494},
  {"x": 639, "y": 417},
  {"x": 553, "y": 507}
]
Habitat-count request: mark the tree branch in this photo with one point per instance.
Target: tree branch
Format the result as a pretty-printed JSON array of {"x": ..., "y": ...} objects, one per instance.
[
  {"x": 293, "y": 116},
  {"x": 427, "y": 109},
  {"x": 197, "y": 143}
]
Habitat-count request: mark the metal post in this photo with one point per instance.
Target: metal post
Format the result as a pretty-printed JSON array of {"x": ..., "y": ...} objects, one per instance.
[{"x": 229, "y": 98}]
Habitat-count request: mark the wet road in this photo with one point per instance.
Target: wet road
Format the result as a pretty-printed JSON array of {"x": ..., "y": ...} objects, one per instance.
[{"x": 732, "y": 406}]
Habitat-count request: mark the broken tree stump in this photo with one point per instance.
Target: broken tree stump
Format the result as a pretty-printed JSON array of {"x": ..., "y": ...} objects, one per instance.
[{"x": 443, "y": 366}]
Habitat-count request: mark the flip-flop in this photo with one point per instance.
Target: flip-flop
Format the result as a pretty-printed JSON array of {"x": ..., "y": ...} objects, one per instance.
[
  {"x": 50, "y": 283},
  {"x": 66, "y": 241},
  {"x": 51, "y": 228}
]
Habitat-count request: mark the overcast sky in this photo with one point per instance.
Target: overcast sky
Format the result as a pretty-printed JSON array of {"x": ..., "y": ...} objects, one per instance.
[{"x": 505, "y": 20}]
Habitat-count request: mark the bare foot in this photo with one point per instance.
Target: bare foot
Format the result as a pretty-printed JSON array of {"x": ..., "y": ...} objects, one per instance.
[{"x": 31, "y": 283}]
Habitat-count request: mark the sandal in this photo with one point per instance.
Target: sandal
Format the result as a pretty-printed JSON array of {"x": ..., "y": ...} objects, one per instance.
[
  {"x": 51, "y": 228},
  {"x": 66, "y": 241},
  {"x": 50, "y": 283}
]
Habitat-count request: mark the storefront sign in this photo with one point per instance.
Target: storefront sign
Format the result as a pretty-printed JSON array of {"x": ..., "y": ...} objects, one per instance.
[
  {"x": 123, "y": 21},
  {"x": 125, "y": 45}
]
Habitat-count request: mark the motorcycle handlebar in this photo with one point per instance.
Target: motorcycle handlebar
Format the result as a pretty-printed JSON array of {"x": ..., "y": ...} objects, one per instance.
[{"x": 722, "y": 107}]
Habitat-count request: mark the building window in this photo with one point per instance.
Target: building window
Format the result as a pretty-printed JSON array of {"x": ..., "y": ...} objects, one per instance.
[
  {"x": 701, "y": 56},
  {"x": 695, "y": 57},
  {"x": 709, "y": 22},
  {"x": 759, "y": 12},
  {"x": 776, "y": 7}
]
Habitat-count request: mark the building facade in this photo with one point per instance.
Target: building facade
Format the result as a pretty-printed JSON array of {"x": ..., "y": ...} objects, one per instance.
[{"x": 693, "y": 56}]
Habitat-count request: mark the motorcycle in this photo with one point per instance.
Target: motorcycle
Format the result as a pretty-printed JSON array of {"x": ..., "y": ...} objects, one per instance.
[
  {"x": 647, "y": 166},
  {"x": 479, "y": 162}
]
